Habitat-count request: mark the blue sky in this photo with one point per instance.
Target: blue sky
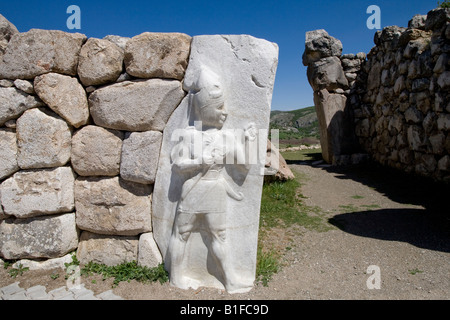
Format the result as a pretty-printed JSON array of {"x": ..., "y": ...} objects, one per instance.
[{"x": 283, "y": 22}]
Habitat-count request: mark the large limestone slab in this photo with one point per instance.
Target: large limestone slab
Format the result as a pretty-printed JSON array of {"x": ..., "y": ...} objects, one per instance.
[
  {"x": 101, "y": 61},
  {"x": 8, "y": 153},
  {"x": 157, "y": 55},
  {"x": 104, "y": 249},
  {"x": 204, "y": 192},
  {"x": 327, "y": 73},
  {"x": 41, "y": 237},
  {"x": 38, "y": 192},
  {"x": 64, "y": 95},
  {"x": 136, "y": 105},
  {"x": 140, "y": 155},
  {"x": 43, "y": 140},
  {"x": 96, "y": 151},
  {"x": 37, "y": 51},
  {"x": 112, "y": 206},
  {"x": 13, "y": 102}
]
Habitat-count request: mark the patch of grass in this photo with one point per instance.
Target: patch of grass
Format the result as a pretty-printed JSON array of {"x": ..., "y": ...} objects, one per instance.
[
  {"x": 415, "y": 271},
  {"x": 127, "y": 271},
  {"x": 303, "y": 155},
  {"x": 348, "y": 208},
  {"x": 267, "y": 264},
  {"x": 356, "y": 196},
  {"x": 282, "y": 206},
  {"x": 14, "y": 272}
]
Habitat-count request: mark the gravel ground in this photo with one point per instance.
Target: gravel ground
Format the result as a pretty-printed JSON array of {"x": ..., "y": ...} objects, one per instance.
[{"x": 377, "y": 218}]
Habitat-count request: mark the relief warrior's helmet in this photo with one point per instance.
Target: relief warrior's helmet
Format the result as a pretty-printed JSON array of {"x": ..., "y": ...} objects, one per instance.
[{"x": 206, "y": 90}]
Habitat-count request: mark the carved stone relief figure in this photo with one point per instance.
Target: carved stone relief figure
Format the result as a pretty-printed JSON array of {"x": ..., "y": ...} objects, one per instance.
[
  {"x": 201, "y": 155},
  {"x": 207, "y": 192}
]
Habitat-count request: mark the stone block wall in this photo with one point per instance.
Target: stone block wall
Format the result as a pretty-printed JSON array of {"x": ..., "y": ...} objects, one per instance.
[
  {"x": 395, "y": 101},
  {"x": 81, "y": 124},
  {"x": 403, "y": 113}
]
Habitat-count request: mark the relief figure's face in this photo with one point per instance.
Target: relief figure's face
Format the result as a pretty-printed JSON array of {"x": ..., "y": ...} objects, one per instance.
[{"x": 214, "y": 116}]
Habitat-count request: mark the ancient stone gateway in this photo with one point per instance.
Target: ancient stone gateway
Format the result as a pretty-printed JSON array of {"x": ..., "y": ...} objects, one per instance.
[{"x": 96, "y": 154}]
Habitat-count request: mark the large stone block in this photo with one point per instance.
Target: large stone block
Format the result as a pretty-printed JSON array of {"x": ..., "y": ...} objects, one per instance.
[
  {"x": 206, "y": 202},
  {"x": 38, "y": 192},
  {"x": 7, "y": 30},
  {"x": 140, "y": 155},
  {"x": 158, "y": 55},
  {"x": 109, "y": 250},
  {"x": 43, "y": 140},
  {"x": 148, "y": 253},
  {"x": 100, "y": 62},
  {"x": 41, "y": 237},
  {"x": 136, "y": 106},
  {"x": 64, "y": 95},
  {"x": 112, "y": 206},
  {"x": 319, "y": 44},
  {"x": 8, "y": 153},
  {"x": 96, "y": 151},
  {"x": 327, "y": 73},
  {"x": 14, "y": 102},
  {"x": 36, "y": 52}
]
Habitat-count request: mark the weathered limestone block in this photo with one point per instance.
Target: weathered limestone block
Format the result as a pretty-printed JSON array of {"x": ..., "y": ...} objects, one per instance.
[
  {"x": 327, "y": 73},
  {"x": 443, "y": 122},
  {"x": 64, "y": 95},
  {"x": 43, "y": 140},
  {"x": 336, "y": 132},
  {"x": 36, "y": 52},
  {"x": 14, "y": 102},
  {"x": 148, "y": 252},
  {"x": 2, "y": 214},
  {"x": 444, "y": 163},
  {"x": 140, "y": 155},
  {"x": 96, "y": 151},
  {"x": 8, "y": 153},
  {"x": 24, "y": 85},
  {"x": 319, "y": 44},
  {"x": 206, "y": 205},
  {"x": 100, "y": 62},
  {"x": 417, "y": 22},
  {"x": 38, "y": 192},
  {"x": 437, "y": 18},
  {"x": 7, "y": 30},
  {"x": 112, "y": 206},
  {"x": 276, "y": 166},
  {"x": 41, "y": 237},
  {"x": 119, "y": 41},
  {"x": 136, "y": 106},
  {"x": 158, "y": 55},
  {"x": 109, "y": 250},
  {"x": 416, "y": 137}
]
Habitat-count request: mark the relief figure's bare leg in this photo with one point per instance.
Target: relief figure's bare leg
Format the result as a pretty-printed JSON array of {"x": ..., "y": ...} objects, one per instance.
[
  {"x": 184, "y": 225},
  {"x": 217, "y": 226}
]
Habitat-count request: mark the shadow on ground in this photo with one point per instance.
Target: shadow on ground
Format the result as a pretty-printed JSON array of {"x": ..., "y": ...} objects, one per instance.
[
  {"x": 427, "y": 228},
  {"x": 414, "y": 226}
]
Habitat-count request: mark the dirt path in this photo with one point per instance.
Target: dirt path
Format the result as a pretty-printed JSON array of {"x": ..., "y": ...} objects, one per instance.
[{"x": 377, "y": 218}]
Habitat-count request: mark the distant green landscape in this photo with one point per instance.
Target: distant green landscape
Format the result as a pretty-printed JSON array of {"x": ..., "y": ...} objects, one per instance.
[{"x": 296, "y": 127}]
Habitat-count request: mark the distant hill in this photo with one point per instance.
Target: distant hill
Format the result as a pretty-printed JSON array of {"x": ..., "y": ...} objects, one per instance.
[{"x": 296, "y": 126}]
